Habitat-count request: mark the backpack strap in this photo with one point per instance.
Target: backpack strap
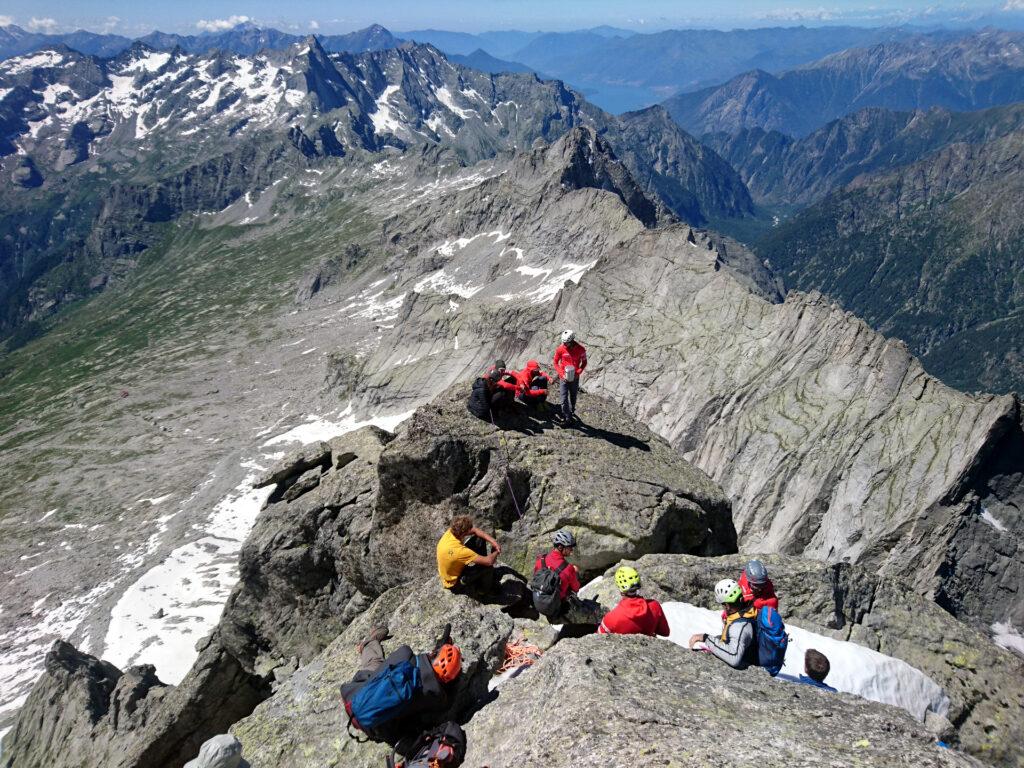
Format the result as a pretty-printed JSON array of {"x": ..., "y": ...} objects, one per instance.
[{"x": 562, "y": 567}]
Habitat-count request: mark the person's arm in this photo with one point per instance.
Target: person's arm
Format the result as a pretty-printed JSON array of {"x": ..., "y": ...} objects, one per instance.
[
  {"x": 583, "y": 361},
  {"x": 732, "y": 651},
  {"x": 488, "y": 560},
  {"x": 488, "y": 538},
  {"x": 662, "y": 629},
  {"x": 557, "y": 362}
]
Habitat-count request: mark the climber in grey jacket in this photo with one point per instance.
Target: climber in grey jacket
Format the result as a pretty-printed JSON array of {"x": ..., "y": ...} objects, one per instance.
[{"x": 736, "y": 645}]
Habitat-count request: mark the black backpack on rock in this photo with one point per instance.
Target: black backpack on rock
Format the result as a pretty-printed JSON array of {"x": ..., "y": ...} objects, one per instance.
[
  {"x": 444, "y": 745},
  {"x": 546, "y": 586}
]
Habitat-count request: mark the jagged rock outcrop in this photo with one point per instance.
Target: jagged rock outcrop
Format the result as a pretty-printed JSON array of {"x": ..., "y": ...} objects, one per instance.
[
  {"x": 628, "y": 700},
  {"x": 985, "y": 683}
]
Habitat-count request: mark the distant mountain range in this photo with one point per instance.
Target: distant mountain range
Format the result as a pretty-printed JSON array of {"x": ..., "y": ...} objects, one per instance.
[
  {"x": 618, "y": 70},
  {"x": 968, "y": 72}
]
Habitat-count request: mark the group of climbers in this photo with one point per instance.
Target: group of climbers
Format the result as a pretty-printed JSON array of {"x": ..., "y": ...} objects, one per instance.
[
  {"x": 496, "y": 391},
  {"x": 393, "y": 697}
]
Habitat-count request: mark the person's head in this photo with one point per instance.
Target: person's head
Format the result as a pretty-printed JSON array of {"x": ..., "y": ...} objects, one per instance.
[
  {"x": 568, "y": 336},
  {"x": 461, "y": 526},
  {"x": 564, "y": 541},
  {"x": 816, "y": 665},
  {"x": 499, "y": 366},
  {"x": 627, "y": 580},
  {"x": 532, "y": 366},
  {"x": 729, "y": 594},
  {"x": 492, "y": 375},
  {"x": 447, "y": 663},
  {"x": 757, "y": 575}
]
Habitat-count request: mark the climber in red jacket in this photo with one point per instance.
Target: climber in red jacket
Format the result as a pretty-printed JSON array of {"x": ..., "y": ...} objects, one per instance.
[
  {"x": 533, "y": 385},
  {"x": 570, "y": 362},
  {"x": 757, "y": 587},
  {"x": 634, "y": 615}
]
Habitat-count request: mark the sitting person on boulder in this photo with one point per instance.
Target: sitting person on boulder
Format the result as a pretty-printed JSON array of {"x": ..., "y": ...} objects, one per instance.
[
  {"x": 394, "y": 696},
  {"x": 462, "y": 558},
  {"x": 533, "y": 385},
  {"x": 555, "y": 585},
  {"x": 493, "y": 393},
  {"x": 634, "y": 615},
  {"x": 736, "y": 646},
  {"x": 816, "y": 669}
]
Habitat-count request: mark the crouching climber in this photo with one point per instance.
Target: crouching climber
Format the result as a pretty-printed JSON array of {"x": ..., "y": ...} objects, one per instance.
[
  {"x": 391, "y": 697},
  {"x": 533, "y": 386},
  {"x": 463, "y": 561},
  {"x": 757, "y": 587},
  {"x": 493, "y": 393},
  {"x": 555, "y": 585},
  {"x": 737, "y": 644},
  {"x": 634, "y": 615}
]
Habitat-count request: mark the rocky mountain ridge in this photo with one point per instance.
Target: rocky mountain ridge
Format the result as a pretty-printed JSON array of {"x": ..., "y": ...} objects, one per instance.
[{"x": 979, "y": 70}]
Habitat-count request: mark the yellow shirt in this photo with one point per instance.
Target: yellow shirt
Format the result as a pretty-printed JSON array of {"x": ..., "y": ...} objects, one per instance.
[{"x": 452, "y": 557}]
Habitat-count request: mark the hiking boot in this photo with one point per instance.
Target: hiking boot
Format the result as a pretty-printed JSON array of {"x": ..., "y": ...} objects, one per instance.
[{"x": 379, "y": 633}]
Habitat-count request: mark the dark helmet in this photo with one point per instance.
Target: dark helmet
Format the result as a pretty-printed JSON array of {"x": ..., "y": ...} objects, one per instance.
[
  {"x": 500, "y": 365},
  {"x": 757, "y": 574}
]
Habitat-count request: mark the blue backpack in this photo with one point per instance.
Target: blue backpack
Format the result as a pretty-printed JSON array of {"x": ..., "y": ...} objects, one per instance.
[
  {"x": 384, "y": 696},
  {"x": 772, "y": 640}
]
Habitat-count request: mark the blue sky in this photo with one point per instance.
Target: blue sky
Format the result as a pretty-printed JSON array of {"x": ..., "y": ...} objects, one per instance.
[{"x": 139, "y": 16}]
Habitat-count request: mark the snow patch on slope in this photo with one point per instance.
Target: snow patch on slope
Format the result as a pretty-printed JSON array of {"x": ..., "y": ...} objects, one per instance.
[
  {"x": 383, "y": 118},
  {"x": 854, "y": 668}
]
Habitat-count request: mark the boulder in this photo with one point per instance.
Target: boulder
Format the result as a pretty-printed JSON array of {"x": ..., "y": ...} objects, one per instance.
[
  {"x": 629, "y": 700},
  {"x": 985, "y": 683},
  {"x": 303, "y": 724},
  {"x": 295, "y": 464}
]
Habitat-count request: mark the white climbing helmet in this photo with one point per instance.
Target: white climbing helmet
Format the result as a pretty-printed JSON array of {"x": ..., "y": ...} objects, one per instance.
[
  {"x": 568, "y": 335},
  {"x": 727, "y": 591}
]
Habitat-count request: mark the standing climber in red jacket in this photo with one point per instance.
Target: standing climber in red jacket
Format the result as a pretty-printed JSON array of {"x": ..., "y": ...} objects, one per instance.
[
  {"x": 634, "y": 615},
  {"x": 570, "y": 362}
]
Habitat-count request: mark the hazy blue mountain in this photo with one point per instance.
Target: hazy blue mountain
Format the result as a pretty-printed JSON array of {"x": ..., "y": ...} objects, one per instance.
[
  {"x": 482, "y": 60},
  {"x": 967, "y": 72},
  {"x": 15, "y": 41},
  {"x": 499, "y": 44}
]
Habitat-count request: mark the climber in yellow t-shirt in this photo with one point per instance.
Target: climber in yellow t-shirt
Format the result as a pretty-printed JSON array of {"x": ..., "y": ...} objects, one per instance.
[{"x": 462, "y": 559}]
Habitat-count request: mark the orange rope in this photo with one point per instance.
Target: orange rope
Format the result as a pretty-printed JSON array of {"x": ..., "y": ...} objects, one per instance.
[{"x": 518, "y": 653}]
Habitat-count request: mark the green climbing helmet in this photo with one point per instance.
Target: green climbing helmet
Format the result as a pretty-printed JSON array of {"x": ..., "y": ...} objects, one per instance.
[
  {"x": 627, "y": 579},
  {"x": 728, "y": 591}
]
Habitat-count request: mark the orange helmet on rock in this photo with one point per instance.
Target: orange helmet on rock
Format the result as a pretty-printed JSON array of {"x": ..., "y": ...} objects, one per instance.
[{"x": 448, "y": 663}]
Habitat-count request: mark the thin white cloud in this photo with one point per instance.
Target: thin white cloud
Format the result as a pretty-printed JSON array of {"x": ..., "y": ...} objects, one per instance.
[
  {"x": 314, "y": 25},
  {"x": 42, "y": 25},
  {"x": 220, "y": 25},
  {"x": 6, "y": 21},
  {"x": 1014, "y": 5},
  {"x": 112, "y": 23}
]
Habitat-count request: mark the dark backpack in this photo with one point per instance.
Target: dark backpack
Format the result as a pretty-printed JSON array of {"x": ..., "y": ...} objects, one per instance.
[
  {"x": 444, "y": 745},
  {"x": 384, "y": 696},
  {"x": 772, "y": 640},
  {"x": 546, "y": 586}
]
